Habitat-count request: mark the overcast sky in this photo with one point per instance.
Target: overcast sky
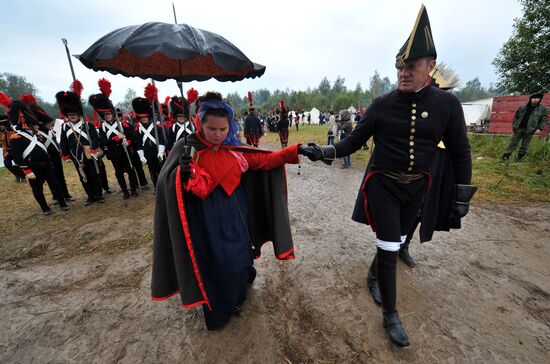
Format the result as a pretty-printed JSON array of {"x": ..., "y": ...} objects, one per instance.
[{"x": 299, "y": 42}]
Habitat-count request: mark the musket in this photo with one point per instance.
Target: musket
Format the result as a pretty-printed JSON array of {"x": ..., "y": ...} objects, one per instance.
[
  {"x": 124, "y": 140},
  {"x": 157, "y": 139},
  {"x": 83, "y": 120},
  {"x": 160, "y": 116}
]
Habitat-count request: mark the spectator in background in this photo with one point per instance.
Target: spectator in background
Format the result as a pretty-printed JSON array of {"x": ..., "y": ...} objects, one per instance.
[
  {"x": 527, "y": 120},
  {"x": 332, "y": 129}
]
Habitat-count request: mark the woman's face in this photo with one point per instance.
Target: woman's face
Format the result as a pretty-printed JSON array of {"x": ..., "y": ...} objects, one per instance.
[{"x": 215, "y": 129}]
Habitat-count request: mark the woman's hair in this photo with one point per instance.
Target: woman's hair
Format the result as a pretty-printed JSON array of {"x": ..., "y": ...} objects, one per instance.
[{"x": 215, "y": 97}]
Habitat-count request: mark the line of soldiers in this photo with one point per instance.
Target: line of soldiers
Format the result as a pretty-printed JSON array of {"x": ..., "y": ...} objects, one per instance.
[
  {"x": 32, "y": 152},
  {"x": 279, "y": 120}
]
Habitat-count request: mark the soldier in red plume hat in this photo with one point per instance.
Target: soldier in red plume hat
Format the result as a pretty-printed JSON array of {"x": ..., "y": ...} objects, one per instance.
[
  {"x": 115, "y": 138},
  {"x": 406, "y": 125},
  {"x": 80, "y": 142},
  {"x": 182, "y": 126},
  {"x": 252, "y": 124},
  {"x": 283, "y": 123},
  {"x": 150, "y": 144},
  {"x": 47, "y": 136},
  {"x": 5, "y": 133},
  {"x": 32, "y": 156}
]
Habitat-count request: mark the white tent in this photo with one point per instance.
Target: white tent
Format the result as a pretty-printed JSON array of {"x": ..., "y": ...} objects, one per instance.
[
  {"x": 477, "y": 111},
  {"x": 1, "y": 158},
  {"x": 314, "y": 115}
]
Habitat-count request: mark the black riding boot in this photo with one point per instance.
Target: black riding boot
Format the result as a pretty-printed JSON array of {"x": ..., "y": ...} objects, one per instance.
[
  {"x": 387, "y": 281},
  {"x": 404, "y": 249},
  {"x": 372, "y": 283}
]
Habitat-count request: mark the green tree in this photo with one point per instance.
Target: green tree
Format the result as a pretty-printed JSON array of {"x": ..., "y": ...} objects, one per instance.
[
  {"x": 379, "y": 86},
  {"x": 126, "y": 104},
  {"x": 522, "y": 62},
  {"x": 14, "y": 85},
  {"x": 342, "y": 101},
  {"x": 324, "y": 87},
  {"x": 339, "y": 85},
  {"x": 474, "y": 91}
]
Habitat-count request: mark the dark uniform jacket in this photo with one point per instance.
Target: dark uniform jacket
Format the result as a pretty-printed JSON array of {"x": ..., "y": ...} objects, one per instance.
[
  {"x": 146, "y": 139},
  {"x": 48, "y": 138},
  {"x": 73, "y": 138},
  {"x": 26, "y": 156},
  {"x": 407, "y": 129},
  {"x": 110, "y": 137}
]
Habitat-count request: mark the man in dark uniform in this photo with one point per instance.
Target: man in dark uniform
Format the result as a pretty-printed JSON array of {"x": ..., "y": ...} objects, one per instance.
[
  {"x": 80, "y": 141},
  {"x": 283, "y": 124},
  {"x": 182, "y": 125},
  {"x": 47, "y": 136},
  {"x": 5, "y": 134},
  {"x": 406, "y": 125},
  {"x": 150, "y": 142},
  {"x": 252, "y": 124},
  {"x": 132, "y": 150},
  {"x": 32, "y": 156},
  {"x": 115, "y": 138},
  {"x": 527, "y": 120}
]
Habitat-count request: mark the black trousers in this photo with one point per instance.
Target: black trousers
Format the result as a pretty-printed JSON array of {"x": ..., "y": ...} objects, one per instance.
[
  {"x": 154, "y": 165},
  {"x": 57, "y": 164},
  {"x": 92, "y": 185},
  {"x": 394, "y": 207},
  {"x": 44, "y": 172},
  {"x": 15, "y": 170},
  {"x": 121, "y": 165},
  {"x": 138, "y": 167},
  {"x": 103, "y": 174}
]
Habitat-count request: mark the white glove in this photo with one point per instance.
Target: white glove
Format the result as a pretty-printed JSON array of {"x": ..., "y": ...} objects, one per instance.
[
  {"x": 31, "y": 176},
  {"x": 142, "y": 156},
  {"x": 160, "y": 155},
  {"x": 125, "y": 143}
]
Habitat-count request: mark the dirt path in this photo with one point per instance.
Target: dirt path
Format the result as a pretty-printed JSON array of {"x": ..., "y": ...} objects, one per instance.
[{"x": 75, "y": 287}]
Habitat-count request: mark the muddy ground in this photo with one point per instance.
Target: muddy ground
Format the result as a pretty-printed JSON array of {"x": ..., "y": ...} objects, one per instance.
[{"x": 75, "y": 286}]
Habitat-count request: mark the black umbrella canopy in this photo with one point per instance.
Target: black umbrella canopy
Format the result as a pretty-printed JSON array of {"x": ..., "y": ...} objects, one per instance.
[{"x": 169, "y": 51}]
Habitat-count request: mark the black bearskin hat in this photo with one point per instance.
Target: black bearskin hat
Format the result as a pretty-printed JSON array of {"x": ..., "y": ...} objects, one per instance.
[
  {"x": 142, "y": 107},
  {"x": 42, "y": 116},
  {"x": 20, "y": 115},
  {"x": 179, "y": 106},
  {"x": 101, "y": 104},
  {"x": 69, "y": 103}
]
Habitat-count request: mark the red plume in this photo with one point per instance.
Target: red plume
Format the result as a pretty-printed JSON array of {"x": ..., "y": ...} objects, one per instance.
[
  {"x": 28, "y": 99},
  {"x": 282, "y": 103},
  {"x": 5, "y": 100},
  {"x": 249, "y": 98},
  {"x": 167, "y": 100},
  {"x": 104, "y": 87},
  {"x": 151, "y": 93},
  {"x": 77, "y": 87},
  {"x": 192, "y": 95}
]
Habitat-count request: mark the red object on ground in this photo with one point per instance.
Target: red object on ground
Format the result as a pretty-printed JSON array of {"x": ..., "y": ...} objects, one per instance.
[{"x": 504, "y": 109}]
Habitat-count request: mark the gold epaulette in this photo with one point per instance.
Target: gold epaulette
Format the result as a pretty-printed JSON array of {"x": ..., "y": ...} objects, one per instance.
[{"x": 15, "y": 136}]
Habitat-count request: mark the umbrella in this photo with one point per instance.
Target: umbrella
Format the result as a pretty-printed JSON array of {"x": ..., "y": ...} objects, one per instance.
[{"x": 169, "y": 51}]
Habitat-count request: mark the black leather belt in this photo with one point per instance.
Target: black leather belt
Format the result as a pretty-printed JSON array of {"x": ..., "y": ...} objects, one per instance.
[{"x": 403, "y": 177}]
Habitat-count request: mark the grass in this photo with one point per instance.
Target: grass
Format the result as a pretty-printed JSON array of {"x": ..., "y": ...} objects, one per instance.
[{"x": 498, "y": 182}]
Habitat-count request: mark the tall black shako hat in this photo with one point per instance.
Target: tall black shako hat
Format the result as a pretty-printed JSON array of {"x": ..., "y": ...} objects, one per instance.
[
  {"x": 39, "y": 113},
  {"x": 69, "y": 103},
  {"x": 20, "y": 116},
  {"x": 420, "y": 43},
  {"x": 142, "y": 107},
  {"x": 101, "y": 104},
  {"x": 179, "y": 106}
]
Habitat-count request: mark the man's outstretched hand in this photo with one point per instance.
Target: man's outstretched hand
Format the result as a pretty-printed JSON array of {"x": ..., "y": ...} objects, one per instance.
[
  {"x": 317, "y": 153},
  {"x": 312, "y": 151}
]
